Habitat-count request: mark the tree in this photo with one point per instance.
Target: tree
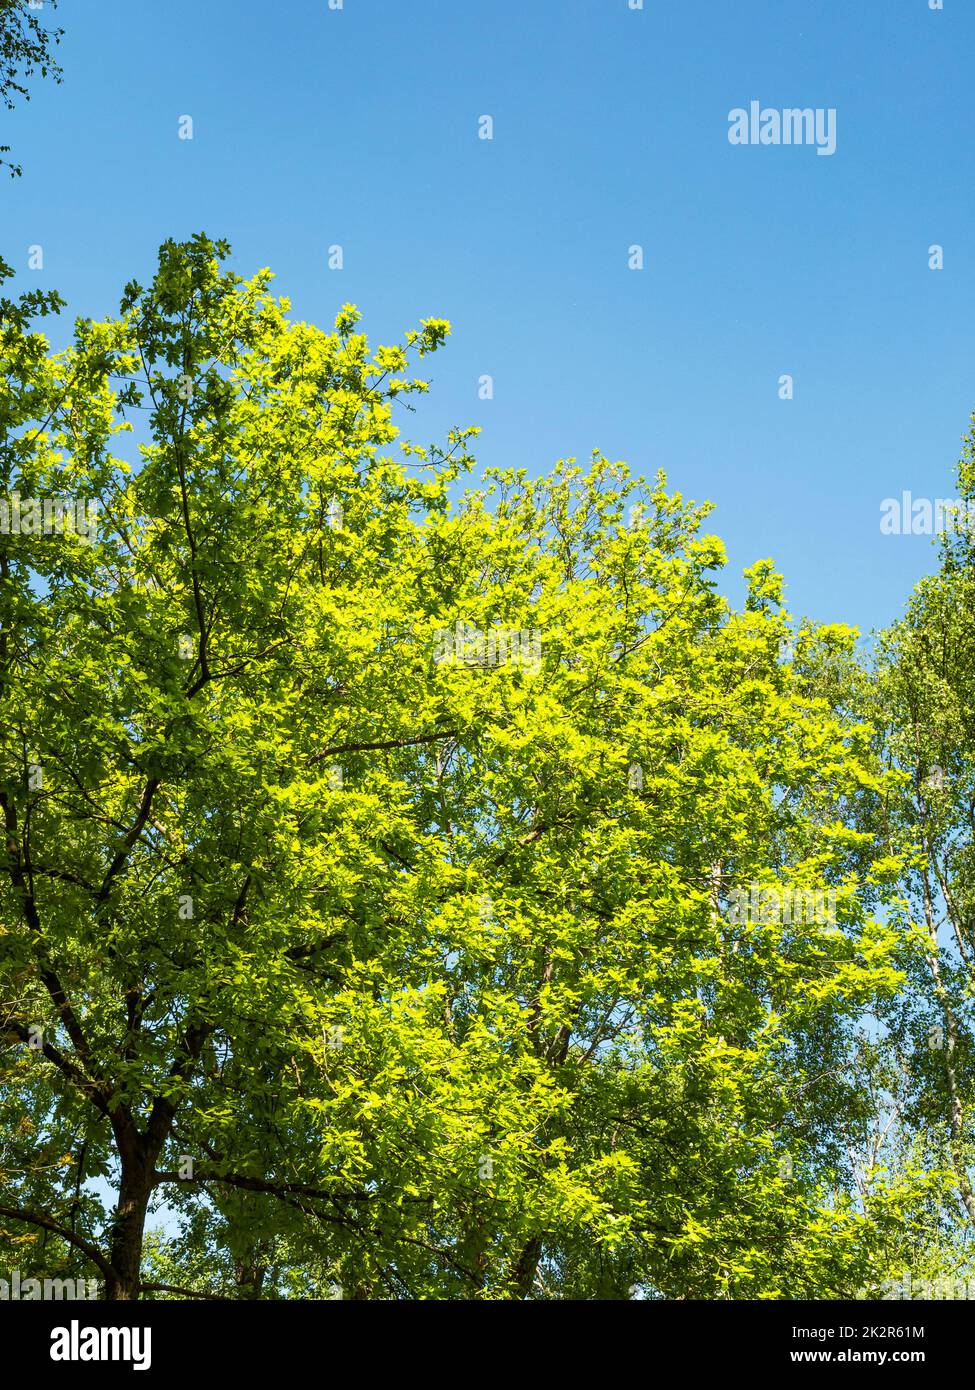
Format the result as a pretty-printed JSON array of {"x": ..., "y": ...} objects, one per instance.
[
  {"x": 26, "y": 47},
  {"x": 448, "y": 895},
  {"x": 923, "y": 702}
]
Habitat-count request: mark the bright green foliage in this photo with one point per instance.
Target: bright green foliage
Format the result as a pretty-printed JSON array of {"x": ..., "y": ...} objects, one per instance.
[{"x": 426, "y": 963}]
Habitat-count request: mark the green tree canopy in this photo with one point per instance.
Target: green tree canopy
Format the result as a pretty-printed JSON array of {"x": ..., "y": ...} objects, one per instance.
[{"x": 419, "y": 884}]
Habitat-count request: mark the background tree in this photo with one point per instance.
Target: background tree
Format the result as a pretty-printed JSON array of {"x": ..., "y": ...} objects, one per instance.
[
  {"x": 26, "y": 48},
  {"x": 922, "y": 700}
]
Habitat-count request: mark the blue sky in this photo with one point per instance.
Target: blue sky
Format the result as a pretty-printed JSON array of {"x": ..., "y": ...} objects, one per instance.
[{"x": 359, "y": 127}]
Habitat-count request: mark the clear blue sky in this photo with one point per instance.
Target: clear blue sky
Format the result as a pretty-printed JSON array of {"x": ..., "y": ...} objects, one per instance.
[{"x": 359, "y": 127}]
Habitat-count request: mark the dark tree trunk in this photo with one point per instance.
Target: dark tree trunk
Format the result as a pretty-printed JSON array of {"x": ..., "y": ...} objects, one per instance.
[
  {"x": 250, "y": 1278},
  {"x": 128, "y": 1226},
  {"x": 524, "y": 1272}
]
